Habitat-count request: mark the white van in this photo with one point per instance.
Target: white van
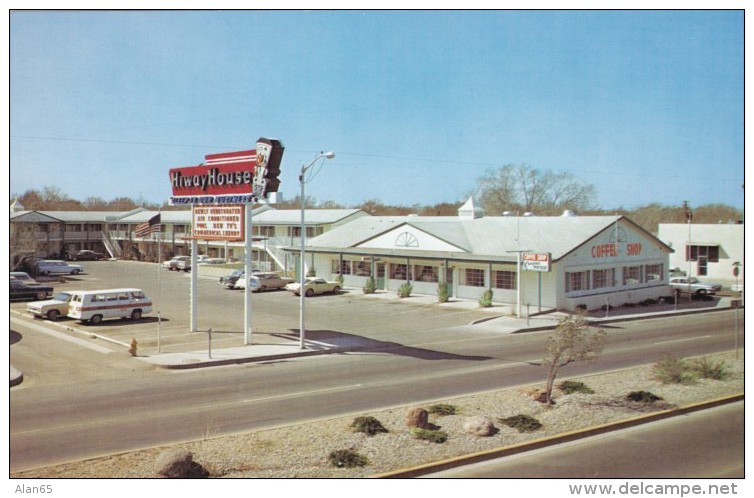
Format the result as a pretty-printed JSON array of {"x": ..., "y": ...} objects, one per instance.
[{"x": 95, "y": 305}]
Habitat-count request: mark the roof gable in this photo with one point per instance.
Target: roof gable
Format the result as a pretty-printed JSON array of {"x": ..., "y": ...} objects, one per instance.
[{"x": 409, "y": 238}]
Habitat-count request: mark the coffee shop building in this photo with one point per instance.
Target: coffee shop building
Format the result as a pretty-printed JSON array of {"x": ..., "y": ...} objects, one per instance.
[{"x": 542, "y": 262}]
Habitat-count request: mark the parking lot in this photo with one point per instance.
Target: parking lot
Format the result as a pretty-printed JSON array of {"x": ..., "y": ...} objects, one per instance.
[{"x": 275, "y": 314}]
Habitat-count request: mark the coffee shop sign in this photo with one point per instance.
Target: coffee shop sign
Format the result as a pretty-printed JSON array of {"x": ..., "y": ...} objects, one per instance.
[{"x": 533, "y": 261}]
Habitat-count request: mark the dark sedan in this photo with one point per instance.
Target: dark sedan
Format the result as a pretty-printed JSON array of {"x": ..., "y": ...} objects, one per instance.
[
  {"x": 87, "y": 255},
  {"x": 21, "y": 290}
]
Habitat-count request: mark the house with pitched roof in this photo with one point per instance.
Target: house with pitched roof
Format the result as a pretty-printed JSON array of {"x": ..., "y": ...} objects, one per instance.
[{"x": 549, "y": 262}]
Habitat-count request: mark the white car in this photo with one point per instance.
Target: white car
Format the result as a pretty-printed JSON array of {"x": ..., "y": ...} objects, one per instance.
[
  {"x": 49, "y": 266},
  {"x": 263, "y": 281},
  {"x": 315, "y": 285},
  {"x": 694, "y": 286},
  {"x": 52, "y": 309},
  {"x": 172, "y": 263}
]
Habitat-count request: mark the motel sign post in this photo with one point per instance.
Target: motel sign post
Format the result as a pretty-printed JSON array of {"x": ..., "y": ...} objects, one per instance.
[{"x": 222, "y": 191}]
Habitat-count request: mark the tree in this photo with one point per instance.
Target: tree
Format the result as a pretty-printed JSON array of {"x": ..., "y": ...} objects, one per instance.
[
  {"x": 571, "y": 341},
  {"x": 522, "y": 188}
]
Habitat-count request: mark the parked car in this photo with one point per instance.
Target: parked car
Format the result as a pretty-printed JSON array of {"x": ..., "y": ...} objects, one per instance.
[
  {"x": 185, "y": 264},
  {"x": 87, "y": 255},
  {"x": 172, "y": 263},
  {"x": 230, "y": 279},
  {"x": 314, "y": 286},
  {"x": 694, "y": 286},
  {"x": 21, "y": 290},
  {"x": 52, "y": 309},
  {"x": 48, "y": 266},
  {"x": 22, "y": 276},
  {"x": 263, "y": 281},
  {"x": 212, "y": 261}
]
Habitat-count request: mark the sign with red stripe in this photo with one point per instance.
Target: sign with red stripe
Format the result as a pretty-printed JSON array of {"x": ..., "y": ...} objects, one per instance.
[{"x": 226, "y": 173}]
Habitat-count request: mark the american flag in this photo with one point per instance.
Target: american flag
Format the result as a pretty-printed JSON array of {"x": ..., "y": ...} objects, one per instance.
[{"x": 151, "y": 226}]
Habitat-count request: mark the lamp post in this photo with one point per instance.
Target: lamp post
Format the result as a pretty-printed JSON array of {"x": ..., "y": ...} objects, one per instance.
[{"x": 302, "y": 292}]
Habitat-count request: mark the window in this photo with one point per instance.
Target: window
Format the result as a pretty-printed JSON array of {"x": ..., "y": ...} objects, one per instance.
[
  {"x": 603, "y": 278},
  {"x": 632, "y": 275},
  {"x": 504, "y": 279},
  {"x": 473, "y": 277},
  {"x": 341, "y": 267},
  {"x": 711, "y": 253},
  {"x": 654, "y": 273},
  {"x": 424, "y": 273},
  {"x": 398, "y": 271},
  {"x": 310, "y": 231},
  {"x": 362, "y": 268},
  {"x": 577, "y": 281}
]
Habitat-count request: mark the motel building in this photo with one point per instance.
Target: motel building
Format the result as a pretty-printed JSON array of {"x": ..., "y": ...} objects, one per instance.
[
  {"x": 568, "y": 262},
  {"x": 710, "y": 251}
]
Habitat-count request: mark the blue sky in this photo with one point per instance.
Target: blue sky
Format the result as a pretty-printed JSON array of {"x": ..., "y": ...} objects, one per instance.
[{"x": 648, "y": 106}]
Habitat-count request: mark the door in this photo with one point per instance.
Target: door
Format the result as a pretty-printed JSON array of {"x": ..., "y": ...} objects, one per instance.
[
  {"x": 449, "y": 279},
  {"x": 380, "y": 275},
  {"x": 701, "y": 266}
]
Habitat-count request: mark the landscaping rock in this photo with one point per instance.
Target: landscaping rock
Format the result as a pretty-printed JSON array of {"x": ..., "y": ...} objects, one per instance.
[
  {"x": 418, "y": 417},
  {"x": 479, "y": 426},
  {"x": 177, "y": 463}
]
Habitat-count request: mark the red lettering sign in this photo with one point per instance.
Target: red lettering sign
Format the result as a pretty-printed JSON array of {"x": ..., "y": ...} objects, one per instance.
[{"x": 229, "y": 173}]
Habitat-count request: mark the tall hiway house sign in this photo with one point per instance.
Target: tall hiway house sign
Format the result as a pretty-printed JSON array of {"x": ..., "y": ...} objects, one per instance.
[
  {"x": 222, "y": 192},
  {"x": 219, "y": 188}
]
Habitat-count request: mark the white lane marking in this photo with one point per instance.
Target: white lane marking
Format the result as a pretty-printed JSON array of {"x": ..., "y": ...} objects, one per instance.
[
  {"x": 301, "y": 393},
  {"x": 63, "y": 336}
]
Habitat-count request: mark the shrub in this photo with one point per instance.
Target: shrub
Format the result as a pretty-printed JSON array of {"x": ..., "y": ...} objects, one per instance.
[
  {"x": 642, "y": 397},
  {"x": 673, "y": 370},
  {"x": 346, "y": 459},
  {"x": 707, "y": 369},
  {"x": 443, "y": 292},
  {"x": 429, "y": 435},
  {"x": 570, "y": 387},
  {"x": 370, "y": 287},
  {"x": 340, "y": 278},
  {"x": 405, "y": 290},
  {"x": 523, "y": 423},
  {"x": 368, "y": 425},
  {"x": 312, "y": 272},
  {"x": 486, "y": 300},
  {"x": 443, "y": 409}
]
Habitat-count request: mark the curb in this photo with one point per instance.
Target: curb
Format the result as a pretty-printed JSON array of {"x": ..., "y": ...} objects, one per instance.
[
  {"x": 451, "y": 463},
  {"x": 190, "y": 364}
]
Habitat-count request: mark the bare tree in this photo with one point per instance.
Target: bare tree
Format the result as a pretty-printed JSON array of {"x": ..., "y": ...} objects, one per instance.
[
  {"x": 523, "y": 188},
  {"x": 571, "y": 341}
]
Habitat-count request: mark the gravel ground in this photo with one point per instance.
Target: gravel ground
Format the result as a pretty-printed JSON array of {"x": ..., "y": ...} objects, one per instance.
[{"x": 300, "y": 451}]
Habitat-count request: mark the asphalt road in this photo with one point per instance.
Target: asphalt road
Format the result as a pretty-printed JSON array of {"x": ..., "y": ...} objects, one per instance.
[
  {"x": 82, "y": 398},
  {"x": 707, "y": 444}
]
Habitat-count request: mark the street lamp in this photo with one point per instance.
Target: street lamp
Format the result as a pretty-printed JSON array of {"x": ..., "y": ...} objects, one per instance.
[{"x": 302, "y": 292}]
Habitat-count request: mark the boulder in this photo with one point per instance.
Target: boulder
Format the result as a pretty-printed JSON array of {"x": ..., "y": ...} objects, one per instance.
[
  {"x": 418, "y": 417},
  {"x": 479, "y": 426},
  {"x": 177, "y": 463}
]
